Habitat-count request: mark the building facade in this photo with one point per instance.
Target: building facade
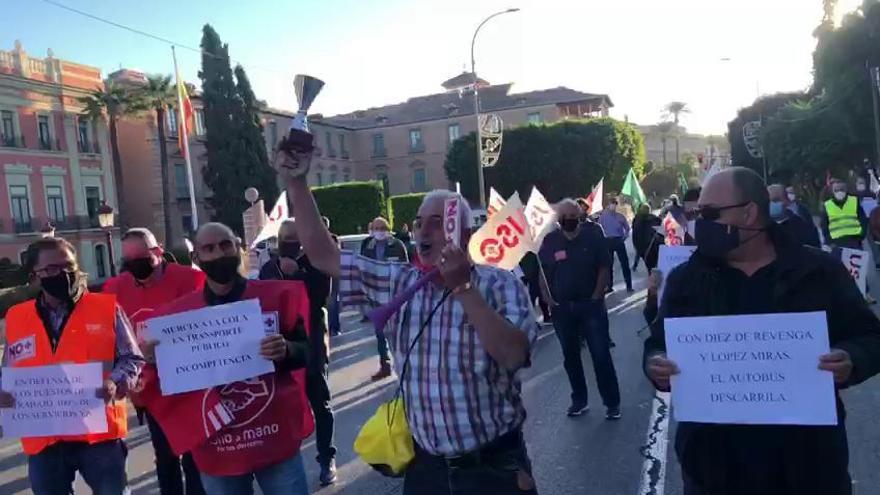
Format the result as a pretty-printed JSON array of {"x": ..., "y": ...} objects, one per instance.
[
  {"x": 660, "y": 138},
  {"x": 56, "y": 165},
  {"x": 405, "y": 145}
]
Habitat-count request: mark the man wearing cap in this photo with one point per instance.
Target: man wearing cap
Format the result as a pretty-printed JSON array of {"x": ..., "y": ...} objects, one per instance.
[{"x": 147, "y": 283}]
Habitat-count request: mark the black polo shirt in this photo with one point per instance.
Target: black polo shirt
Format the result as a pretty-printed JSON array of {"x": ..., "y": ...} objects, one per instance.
[{"x": 572, "y": 265}]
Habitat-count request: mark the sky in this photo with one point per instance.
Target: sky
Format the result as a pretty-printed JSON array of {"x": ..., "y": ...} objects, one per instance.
[{"x": 715, "y": 55}]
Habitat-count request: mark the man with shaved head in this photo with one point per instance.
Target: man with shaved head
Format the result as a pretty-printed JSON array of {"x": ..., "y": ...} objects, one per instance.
[
  {"x": 229, "y": 457},
  {"x": 458, "y": 342},
  {"x": 746, "y": 264},
  {"x": 577, "y": 263},
  {"x": 804, "y": 231}
]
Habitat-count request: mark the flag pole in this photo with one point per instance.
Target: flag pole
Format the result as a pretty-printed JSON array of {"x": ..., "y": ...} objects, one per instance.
[{"x": 189, "y": 171}]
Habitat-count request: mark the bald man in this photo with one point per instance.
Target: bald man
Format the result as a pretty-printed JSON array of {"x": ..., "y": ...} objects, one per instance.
[
  {"x": 746, "y": 264},
  {"x": 803, "y": 231},
  {"x": 231, "y": 457}
]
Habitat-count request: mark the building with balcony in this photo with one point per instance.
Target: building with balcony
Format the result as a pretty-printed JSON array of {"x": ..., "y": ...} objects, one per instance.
[
  {"x": 56, "y": 170},
  {"x": 405, "y": 145}
]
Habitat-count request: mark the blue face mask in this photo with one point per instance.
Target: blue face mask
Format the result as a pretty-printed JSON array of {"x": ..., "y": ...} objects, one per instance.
[{"x": 777, "y": 210}]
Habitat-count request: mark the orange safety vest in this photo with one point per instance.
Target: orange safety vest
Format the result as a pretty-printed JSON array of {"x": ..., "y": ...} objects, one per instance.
[{"x": 89, "y": 336}]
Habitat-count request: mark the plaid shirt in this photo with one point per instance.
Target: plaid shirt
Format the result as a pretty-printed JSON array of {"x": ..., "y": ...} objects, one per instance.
[{"x": 457, "y": 397}]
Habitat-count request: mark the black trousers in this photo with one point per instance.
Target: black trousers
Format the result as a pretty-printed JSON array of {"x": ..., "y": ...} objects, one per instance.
[
  {"x": 318, "y": 393},
  {"x": 168, "y": 466},
  {"x": 616, "y": 245},
  {"x": 496, "y": 471}
]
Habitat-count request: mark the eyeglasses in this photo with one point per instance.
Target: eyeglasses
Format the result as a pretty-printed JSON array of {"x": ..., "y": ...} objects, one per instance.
[
  {"x": 52, "y": 270},
  {"x": 713, "y": 213}
]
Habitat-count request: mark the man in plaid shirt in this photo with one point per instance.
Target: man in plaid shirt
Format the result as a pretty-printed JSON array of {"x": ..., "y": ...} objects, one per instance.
[{"x": 462, "y": 389}]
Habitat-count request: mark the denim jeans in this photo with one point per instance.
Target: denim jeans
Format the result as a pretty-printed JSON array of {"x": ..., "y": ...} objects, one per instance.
[
  {"x": 616, "y": 245},
  {"x": 318, "y": 393},
  {"x": 333, "y": 309},
  {"x": 101, "y": 465},
  {"x": 288, "y": 477},
  {"x": 496, "y": 474},
  {"x": 168, "y": 465},
  {"x": 588, "y": 320}
]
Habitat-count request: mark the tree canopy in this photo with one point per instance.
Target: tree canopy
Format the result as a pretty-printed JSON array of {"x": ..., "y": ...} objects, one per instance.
[
  {"x": 562, "y": 159},
  {"x": 236, "y": 152}
]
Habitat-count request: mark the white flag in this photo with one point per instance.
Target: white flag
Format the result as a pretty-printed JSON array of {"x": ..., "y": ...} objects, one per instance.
[
  {"x": 496, "y": 202},
  {"x": 504, "y": 239},
  {"x": 595, "y": 197},
  {"x": 280, "y": 212},
  {"x": 540, "y": 216}
]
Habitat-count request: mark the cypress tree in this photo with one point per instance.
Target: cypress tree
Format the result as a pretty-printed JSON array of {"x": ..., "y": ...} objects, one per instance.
[{"x": 236, "y": 152}]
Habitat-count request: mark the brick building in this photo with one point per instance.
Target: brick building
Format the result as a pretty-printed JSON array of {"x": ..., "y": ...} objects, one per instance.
[{"x": 56, "y": 167}]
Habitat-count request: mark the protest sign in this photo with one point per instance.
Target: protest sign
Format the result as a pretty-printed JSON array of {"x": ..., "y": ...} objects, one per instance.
[
  {"x": 856, "y": 262},
  {"x": 211, "y": 346},
  {"x": 673, "y": 232},
  {"x": 751, "y": 369},
  {"x": 541, "y": 217},
  {"x": 504, "y": 239},
  {"x": 452, "y": 221},
  {"x": 496, "y": 202},
  {"x": 54, "y": 400},
  {"x": 669, "y": 258}
]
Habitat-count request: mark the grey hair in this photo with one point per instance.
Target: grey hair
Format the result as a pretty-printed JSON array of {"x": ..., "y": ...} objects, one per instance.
[
  {"x": 566, "y": 202},
  {"x": 215, "y": 226},
  {"x": 464, "y": 211}
]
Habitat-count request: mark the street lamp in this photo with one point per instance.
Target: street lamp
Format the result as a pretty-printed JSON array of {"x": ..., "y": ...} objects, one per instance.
[
  {"x": 480, "y": 179},
  {"x": 106, "y": 220}
]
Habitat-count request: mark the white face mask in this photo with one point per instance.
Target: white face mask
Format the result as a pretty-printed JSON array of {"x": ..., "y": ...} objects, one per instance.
[
  {"x": 840, "y": 195},
  {"x": 380, "y": 235},
  {"x": 791, "y": 196}
]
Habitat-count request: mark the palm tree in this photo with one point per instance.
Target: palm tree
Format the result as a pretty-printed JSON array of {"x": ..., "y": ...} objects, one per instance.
[
  {"x": 160, "y": 95},
  {"x": 114, "y": 101},
  {"x": 674, "y": 109},
  {"x": 665, "y": 129}
]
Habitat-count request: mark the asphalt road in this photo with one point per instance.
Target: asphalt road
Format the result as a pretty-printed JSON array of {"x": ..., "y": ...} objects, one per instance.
[{"x": 570, "y": 456}]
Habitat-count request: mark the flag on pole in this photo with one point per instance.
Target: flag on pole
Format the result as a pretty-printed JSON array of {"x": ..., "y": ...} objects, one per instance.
[
  {"x": 185, "y": 118},
  {"x": 496, "y": 202},
  {"x": 540, "y": 216},
  {"x": 280, "y": 212},
  {"x": 632, "y": 189},
  {"x": 682, "y": 183},
  {"x": 594, "y": 200},
  {"x": 184, "y": 126},
  {"x": 875, "y": 186}
]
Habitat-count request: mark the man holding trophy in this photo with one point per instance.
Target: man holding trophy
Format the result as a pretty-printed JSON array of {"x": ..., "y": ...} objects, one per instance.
[{"x": 465, "y": 418}]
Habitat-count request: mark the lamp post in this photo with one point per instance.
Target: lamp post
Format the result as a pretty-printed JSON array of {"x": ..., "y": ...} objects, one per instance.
[
  {"x": 106, "y": 220},
  {"x": 480, "y": 179}
]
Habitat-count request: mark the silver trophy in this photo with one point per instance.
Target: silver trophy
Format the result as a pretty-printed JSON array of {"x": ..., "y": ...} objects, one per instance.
[{"x": 299, "y": 139}]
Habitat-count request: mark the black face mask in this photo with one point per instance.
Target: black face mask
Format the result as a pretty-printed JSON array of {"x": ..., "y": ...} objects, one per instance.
[
  {"x": 221, "y": 270},
  {"x": 63, "y": 286},
  {"x": 715, "y": 239},
  {"x": 569, "y": 224},
  {"x": 289, "y": 249},
  {"x": 140, "y": 268}
]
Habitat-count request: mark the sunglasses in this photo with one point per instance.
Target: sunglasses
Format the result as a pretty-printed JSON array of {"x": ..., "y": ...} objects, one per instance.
[{"x": 713, "y": 213}]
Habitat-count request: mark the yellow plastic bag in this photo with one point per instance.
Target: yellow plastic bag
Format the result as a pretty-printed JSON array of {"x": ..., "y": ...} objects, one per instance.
[{"x": 385, "y": 442}]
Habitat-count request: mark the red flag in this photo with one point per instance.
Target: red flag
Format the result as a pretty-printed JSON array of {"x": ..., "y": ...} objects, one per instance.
[{"x": 184, "y": 116}]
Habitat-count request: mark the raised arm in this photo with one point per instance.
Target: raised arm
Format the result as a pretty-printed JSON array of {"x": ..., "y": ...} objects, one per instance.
[{"x": 314, "y": 236}]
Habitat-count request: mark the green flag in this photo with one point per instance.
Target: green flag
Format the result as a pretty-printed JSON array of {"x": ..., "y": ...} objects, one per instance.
[
  {"x": 682, "y": 183},
  {"x": 632, "y": 189}
]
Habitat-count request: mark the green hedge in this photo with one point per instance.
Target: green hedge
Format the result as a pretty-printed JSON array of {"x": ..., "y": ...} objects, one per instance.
[
  {"x": 351, "y": 206},
  {"x": 403, "y": 209}
]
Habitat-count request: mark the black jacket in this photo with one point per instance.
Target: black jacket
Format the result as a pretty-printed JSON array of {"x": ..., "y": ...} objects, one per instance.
[
  {"x": 394, "y": 249},
  {"x": 643, "y": 231},
  {"x": 804, "y": 231},
  {"x": 811, "y": 459}
]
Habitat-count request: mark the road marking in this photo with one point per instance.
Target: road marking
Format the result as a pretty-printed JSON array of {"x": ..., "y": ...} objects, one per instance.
[{"x": 654, "y": 449}]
